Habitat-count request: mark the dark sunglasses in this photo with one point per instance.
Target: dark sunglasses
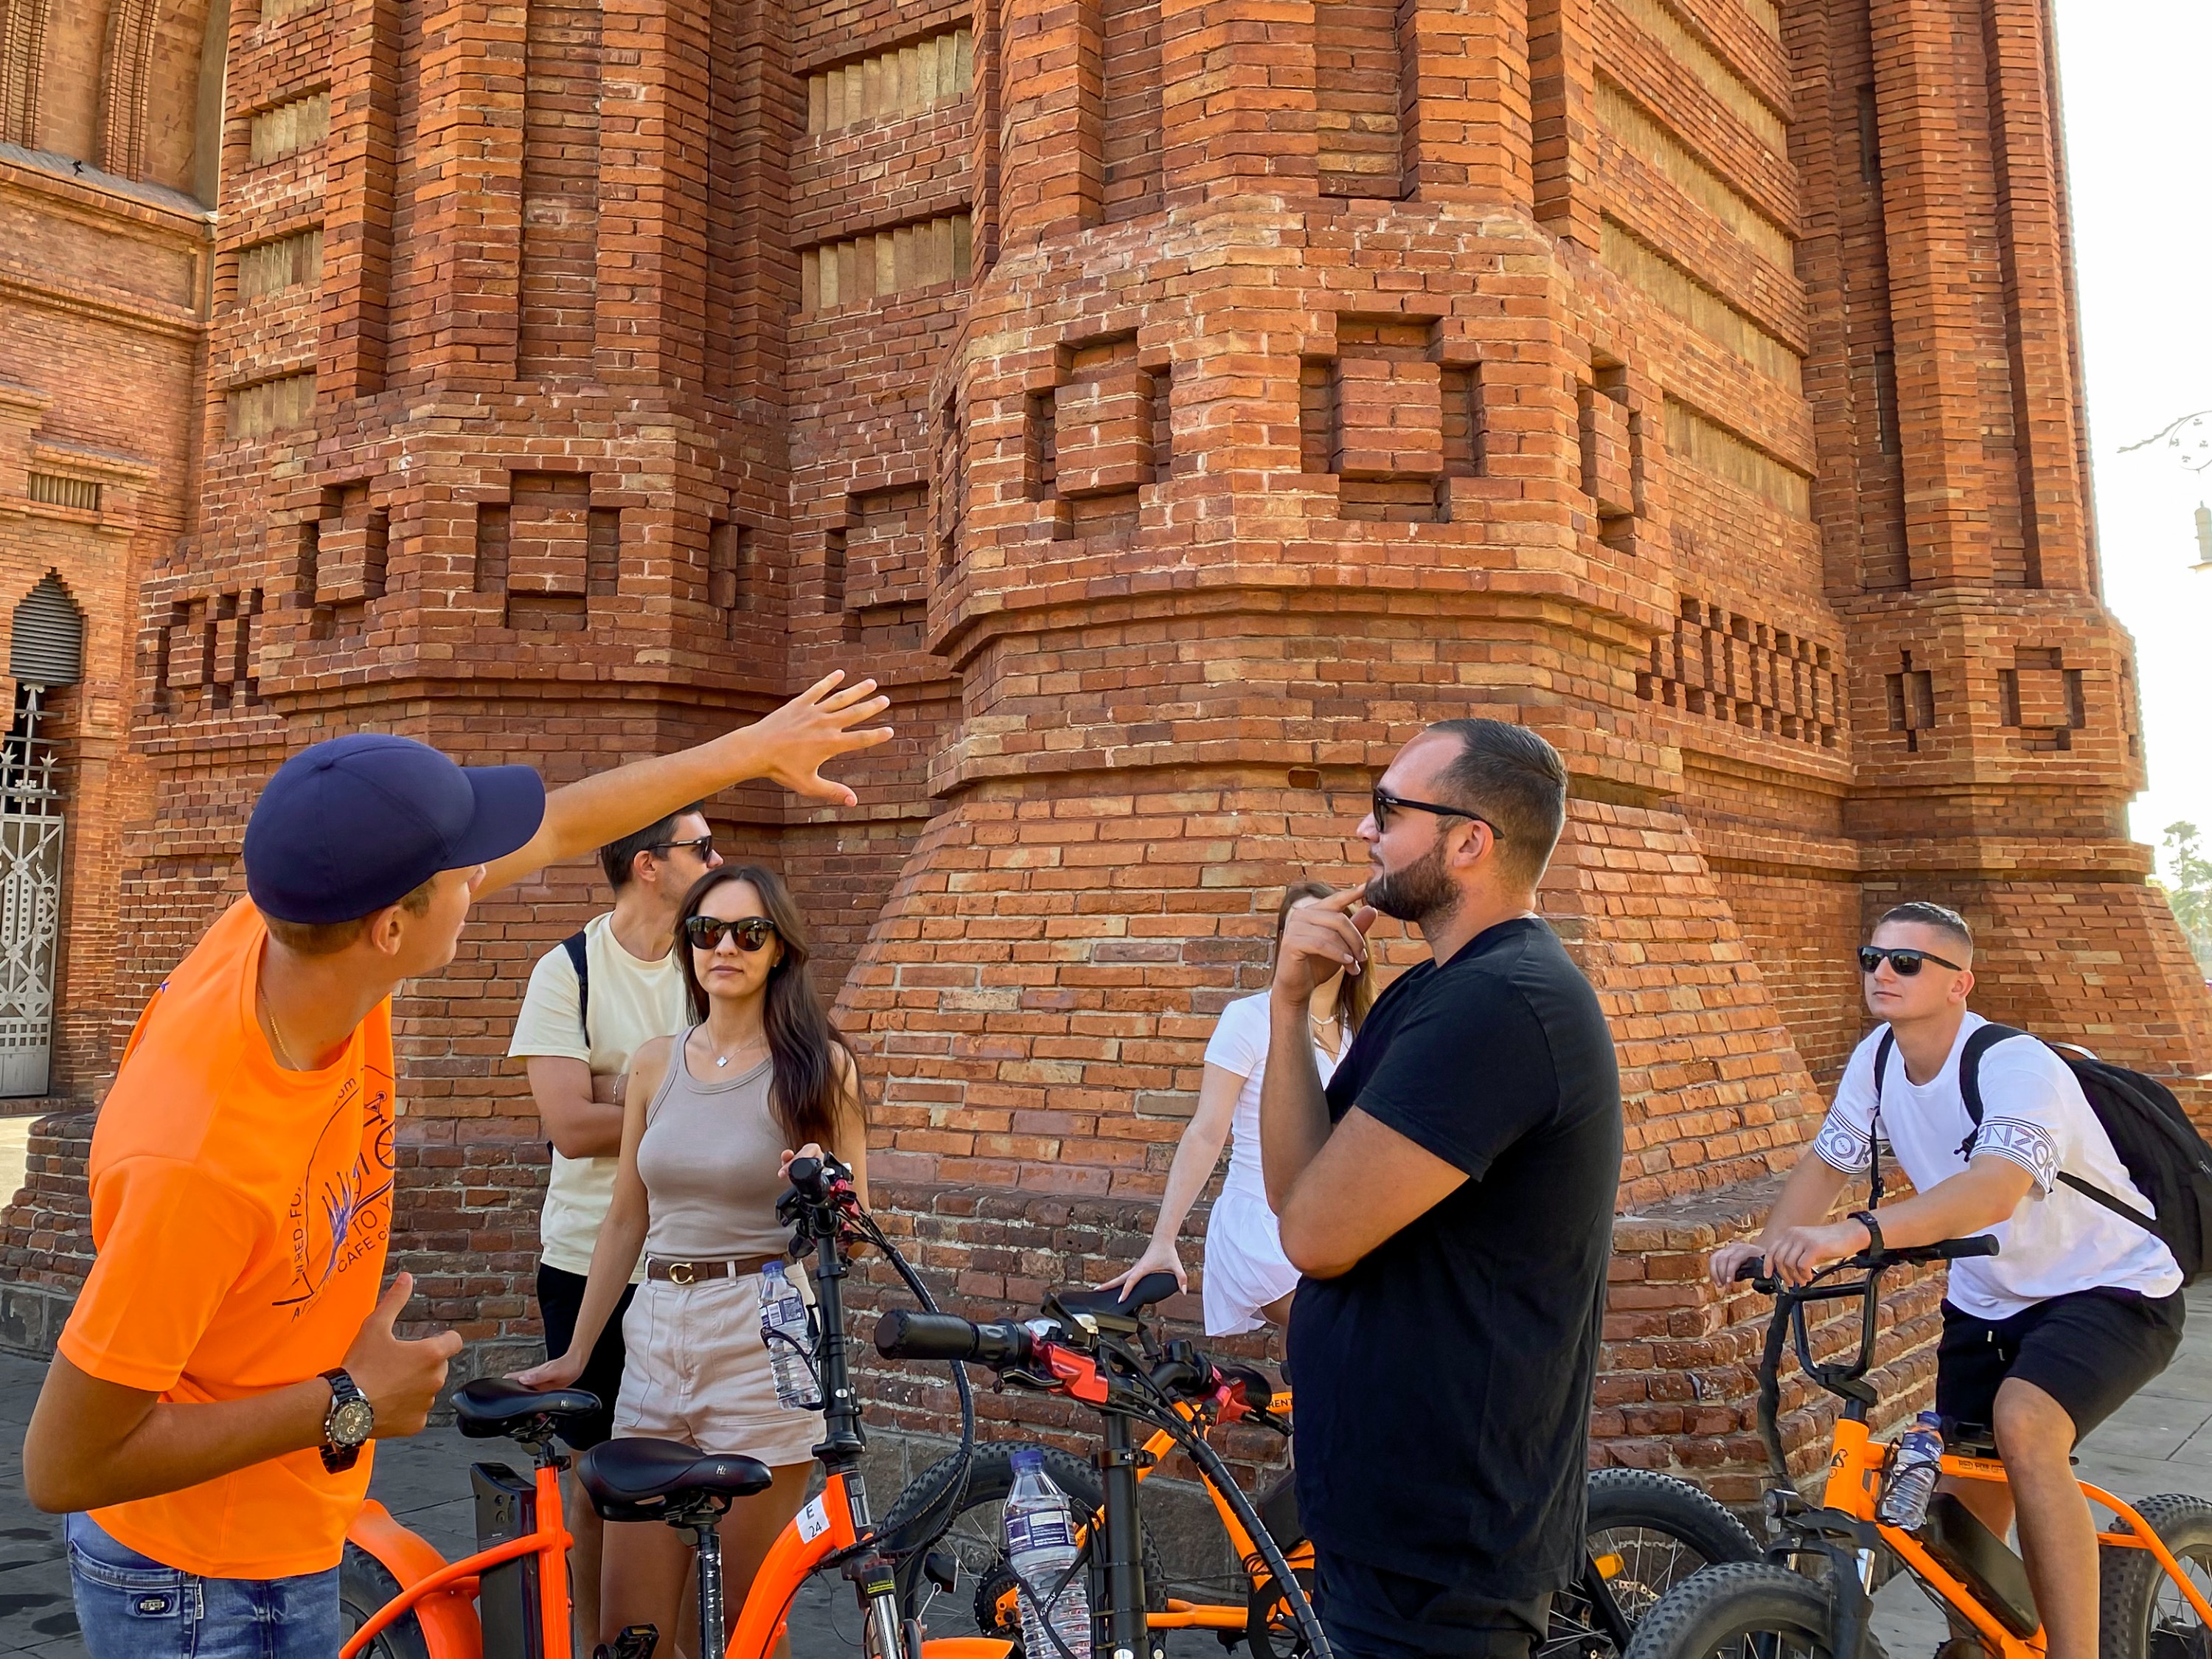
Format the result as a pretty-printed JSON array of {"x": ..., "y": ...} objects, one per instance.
[
  {"x": 1907, "y": 962},
  {"x": 1384, "y": 803},
  {"x": 706, "y": 933},
  {"x": 701, "y": 845}
]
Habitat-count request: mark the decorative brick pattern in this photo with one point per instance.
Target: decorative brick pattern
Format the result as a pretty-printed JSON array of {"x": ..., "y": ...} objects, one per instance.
[
  {"x": 861, "y": 268},
  {"x": 288, "y": 128},
  {"x": 902, "y": 80},
  {"x": 1727, "y": 667},
  {"x": 294, "y": 260}
]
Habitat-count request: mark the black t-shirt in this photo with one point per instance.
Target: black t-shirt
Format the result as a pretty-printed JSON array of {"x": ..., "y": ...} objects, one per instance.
[{"x": 1442, "y": 1386}]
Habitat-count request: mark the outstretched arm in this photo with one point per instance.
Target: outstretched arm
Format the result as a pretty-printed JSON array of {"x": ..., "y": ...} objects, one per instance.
[
  {"x": 789, "y": 747},
  {"x": 1196, "y": 1156}
]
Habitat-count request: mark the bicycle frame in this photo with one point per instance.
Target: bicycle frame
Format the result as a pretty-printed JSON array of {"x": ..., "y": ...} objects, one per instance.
[
  {"x": 835, "y": 1523},
  {"x": 1857, "y": 1461},
  {"x": 1206, "y": 1615},
  {"x": 439, "y": 1592},
  {"x": 1855, "y": 1471}
]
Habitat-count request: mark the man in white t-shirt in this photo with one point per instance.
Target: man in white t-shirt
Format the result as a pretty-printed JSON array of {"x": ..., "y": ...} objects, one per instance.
[
  {"x": 2079, "y": 1309},
  {"x": 577, "y": 1035}
]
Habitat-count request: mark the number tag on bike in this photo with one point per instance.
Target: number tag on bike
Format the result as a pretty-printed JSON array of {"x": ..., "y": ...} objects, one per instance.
[{"x": 814, "y": 1519}]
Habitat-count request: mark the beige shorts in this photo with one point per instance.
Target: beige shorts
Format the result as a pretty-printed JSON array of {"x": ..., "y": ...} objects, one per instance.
[{"x": 697, "y": 1371}]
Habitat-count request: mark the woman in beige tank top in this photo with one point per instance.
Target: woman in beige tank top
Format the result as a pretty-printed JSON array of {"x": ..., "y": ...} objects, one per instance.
[{"x": 712, "y": 1121}]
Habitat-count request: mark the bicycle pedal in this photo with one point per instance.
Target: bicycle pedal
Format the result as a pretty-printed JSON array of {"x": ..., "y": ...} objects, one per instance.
[{"x": 635, "y": 1642}]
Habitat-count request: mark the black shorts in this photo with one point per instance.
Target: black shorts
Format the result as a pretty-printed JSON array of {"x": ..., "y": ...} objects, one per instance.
[
  {"x": 560, "y": 1298},
  {"x": 1370, "y": 1613},
  {"x": 2090, "y": 1350}
]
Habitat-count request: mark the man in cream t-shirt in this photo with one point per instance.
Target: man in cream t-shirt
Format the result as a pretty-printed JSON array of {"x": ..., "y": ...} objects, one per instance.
[{"x": 577, "y": 1035}]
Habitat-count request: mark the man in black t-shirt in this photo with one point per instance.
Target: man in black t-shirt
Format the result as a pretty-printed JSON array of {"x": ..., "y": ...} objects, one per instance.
[{"x": 1450, "y": 1200}]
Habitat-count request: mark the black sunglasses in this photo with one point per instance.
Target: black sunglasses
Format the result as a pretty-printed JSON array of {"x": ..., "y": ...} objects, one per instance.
[
  {"x": 1384, "y": 803},
  {"x": 750, "y": 933},
  {"x": 701, "y": 845},
  {"x": 1907, "y": 962}
]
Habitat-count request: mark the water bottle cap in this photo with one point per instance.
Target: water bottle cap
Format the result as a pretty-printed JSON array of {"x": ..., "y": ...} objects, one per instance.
[
  {"x": 1930, "y": 1419},
  {"x": 1028, "y": 1460}
]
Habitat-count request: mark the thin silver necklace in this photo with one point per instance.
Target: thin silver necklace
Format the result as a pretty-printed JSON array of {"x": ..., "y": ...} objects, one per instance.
[{"x": 721, "y": 1060}]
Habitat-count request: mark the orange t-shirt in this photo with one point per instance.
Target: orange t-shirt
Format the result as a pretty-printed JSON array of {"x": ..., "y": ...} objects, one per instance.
[{"x": 241, "y": 1213}]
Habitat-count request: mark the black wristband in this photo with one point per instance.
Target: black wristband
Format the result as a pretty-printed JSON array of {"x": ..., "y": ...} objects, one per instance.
[{"x": 1865, "y": 1218}]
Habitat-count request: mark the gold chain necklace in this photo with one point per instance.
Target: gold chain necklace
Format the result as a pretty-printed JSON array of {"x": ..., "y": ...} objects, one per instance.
[{"x": 276, "y": 1032}]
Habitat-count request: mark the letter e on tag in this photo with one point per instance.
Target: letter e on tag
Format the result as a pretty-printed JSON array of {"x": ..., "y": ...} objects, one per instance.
[{"x": 814, "y": 1519}]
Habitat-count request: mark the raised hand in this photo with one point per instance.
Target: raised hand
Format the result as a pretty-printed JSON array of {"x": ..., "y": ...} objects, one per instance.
[
  {"x": 814, "y": 728},
  {"x": 1320, "y": 939},
  {"x": 400, "y": 1378}
]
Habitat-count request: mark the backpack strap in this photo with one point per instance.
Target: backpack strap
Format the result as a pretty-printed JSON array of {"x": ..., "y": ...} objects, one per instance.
[
  {"x": 1881, "y": 1054},
  {"x": 573, "y": 945},
  {"x": 1985, "y": 1037}
]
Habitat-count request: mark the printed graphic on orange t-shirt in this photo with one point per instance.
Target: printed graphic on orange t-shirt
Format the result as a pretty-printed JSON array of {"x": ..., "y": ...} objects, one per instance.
[{"x": 241, "y": 1214}]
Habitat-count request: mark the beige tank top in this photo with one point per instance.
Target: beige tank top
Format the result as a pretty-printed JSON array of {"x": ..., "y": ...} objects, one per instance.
[{"x": 708, "y": 1160}]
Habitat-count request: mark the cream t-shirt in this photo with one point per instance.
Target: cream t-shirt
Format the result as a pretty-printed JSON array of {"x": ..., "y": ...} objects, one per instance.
[{"x": 631, "y": 1002}]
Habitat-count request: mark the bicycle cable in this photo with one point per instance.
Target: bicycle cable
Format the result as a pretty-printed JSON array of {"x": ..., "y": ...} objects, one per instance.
[{"x": 1201, "y": 1452}]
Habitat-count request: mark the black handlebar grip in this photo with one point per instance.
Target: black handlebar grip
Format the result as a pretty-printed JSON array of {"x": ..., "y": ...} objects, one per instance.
[
  {"x": 1956, "y": 1248},
  {"x": 1752, "y": 1267},
  {"x": 903, "y": 1333}
]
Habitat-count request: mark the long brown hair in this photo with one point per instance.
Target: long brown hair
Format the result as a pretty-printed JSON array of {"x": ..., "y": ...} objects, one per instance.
[
  {"x": 1357, "y": 991},
  {"x": 803, "y": 1090}
]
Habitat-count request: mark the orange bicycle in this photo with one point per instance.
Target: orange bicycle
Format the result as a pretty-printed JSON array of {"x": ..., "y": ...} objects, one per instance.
[
  {"x": 1646, "y": 1531},
  {"x": 1812, "y": 1594},
  {"x": 510, "y": 1599}
]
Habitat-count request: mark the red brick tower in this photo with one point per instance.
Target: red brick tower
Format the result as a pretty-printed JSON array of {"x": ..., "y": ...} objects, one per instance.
[{"x": 1179, "y": 403}]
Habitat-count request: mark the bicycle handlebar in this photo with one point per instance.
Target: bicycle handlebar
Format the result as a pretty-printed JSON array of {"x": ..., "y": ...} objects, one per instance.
[
  {"x": 903, "y": 1333},
  {"x": 1951, "y": 1249}
]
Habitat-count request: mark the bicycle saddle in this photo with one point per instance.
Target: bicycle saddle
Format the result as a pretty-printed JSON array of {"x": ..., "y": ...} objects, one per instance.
[
  {"x": 648, "y": 1479},
  {"x": 1125, "y": 1305},
  {"x": 493, "y": 1406}
]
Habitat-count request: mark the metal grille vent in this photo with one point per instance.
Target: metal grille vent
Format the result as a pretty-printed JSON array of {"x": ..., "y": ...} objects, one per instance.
[{"x": 47, "y": 645}]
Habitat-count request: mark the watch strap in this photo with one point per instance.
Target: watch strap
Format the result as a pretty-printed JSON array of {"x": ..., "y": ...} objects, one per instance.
[
  {"x": 344, "y": 1391},
  {"x": 1865, "y": 1218}
]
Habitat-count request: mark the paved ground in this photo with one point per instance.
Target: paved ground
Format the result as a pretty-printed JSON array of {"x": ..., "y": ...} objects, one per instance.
[{"x": 2161, "y": 1441}]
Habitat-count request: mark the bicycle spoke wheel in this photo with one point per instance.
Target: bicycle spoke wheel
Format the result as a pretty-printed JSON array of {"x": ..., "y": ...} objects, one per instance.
[
  {"x": 1646, "y": 1533},
  {"x": 2142, "y": 1613}
]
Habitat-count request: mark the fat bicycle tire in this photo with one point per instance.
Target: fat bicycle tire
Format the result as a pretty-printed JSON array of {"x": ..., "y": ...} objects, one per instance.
[
  {"x": 1648, "y": 1532},
  {"x": 990, "y": 1478},
  {"x": 2141, "y": 1613},
  {"x": 1743, "y": 1610},
  {"x": 366, "y": 1586}
]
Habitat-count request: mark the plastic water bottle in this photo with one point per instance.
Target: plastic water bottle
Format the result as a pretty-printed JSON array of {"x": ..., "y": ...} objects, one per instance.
[
  {"x": 1041, "y": 1546},
  {"x": 1913, "y": 1467},
  {"x": 790, "y": 1338}
]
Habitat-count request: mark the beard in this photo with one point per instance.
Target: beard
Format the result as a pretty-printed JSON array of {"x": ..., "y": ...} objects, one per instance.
[{"x": 1420, "y": 893}]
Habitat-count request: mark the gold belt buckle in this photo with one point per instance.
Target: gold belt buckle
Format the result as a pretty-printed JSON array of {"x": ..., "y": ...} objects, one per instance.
[{"x": 679, "y": 1273}]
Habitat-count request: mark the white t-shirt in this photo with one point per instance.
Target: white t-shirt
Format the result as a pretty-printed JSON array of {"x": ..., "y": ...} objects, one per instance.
[
  {"x": 631, "y": 1003},
  {"x": 2058, "y": 1241},
  {"x": 1239, "y": 1047}
]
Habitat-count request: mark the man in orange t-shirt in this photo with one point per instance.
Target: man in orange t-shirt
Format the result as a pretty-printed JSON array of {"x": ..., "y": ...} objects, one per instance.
[{"x": 209, "y": 1417}]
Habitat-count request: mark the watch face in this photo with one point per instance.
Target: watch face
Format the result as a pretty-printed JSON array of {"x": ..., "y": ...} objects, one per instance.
[{"x": 351, "y": 1422}]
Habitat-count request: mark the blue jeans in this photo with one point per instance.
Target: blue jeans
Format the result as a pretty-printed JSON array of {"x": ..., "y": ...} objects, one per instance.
[{"x": 132, "y": 1607}]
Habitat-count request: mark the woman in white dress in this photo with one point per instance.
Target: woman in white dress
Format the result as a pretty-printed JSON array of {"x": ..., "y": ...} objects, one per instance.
[{"x": 1249, "y": 1280}]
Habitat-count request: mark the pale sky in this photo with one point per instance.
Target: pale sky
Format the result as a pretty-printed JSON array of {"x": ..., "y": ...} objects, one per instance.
[{"x": 2133, "y": 74}]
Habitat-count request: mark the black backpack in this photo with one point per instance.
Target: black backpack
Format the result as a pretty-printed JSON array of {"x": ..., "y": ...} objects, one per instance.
[{"x": 2165, "y": 1157}]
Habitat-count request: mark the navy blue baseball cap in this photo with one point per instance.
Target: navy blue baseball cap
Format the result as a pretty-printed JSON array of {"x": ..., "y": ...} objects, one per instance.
[{"x": 350, "y": 825}]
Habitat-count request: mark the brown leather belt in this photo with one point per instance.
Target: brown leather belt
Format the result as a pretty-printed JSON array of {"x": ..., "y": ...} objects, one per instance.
[{"x": 662, "y": 1271}]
